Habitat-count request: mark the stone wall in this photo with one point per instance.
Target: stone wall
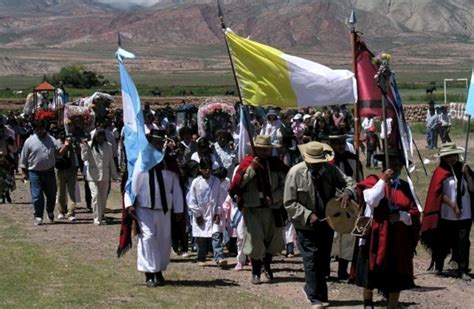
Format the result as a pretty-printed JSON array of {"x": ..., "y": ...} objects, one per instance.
[{"x": 417, "y": 113}]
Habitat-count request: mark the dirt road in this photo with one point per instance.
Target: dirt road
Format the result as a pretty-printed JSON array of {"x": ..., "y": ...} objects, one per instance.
[{"x": 81, "y": 237}]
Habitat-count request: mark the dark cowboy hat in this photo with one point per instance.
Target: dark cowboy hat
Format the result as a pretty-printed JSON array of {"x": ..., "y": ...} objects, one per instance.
[
  {"x": 157, "y": 134},
  {"x": 393, "y": 154}
]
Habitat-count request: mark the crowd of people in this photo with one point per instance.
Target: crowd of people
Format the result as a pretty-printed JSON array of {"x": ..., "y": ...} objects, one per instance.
[{"x": 201, "y": 198}]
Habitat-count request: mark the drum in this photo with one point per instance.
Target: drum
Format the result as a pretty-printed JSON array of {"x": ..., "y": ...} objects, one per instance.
[{"x": 340, "y": 219}]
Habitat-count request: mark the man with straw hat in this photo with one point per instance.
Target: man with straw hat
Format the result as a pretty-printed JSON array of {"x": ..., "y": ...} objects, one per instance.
[
  {"x": 385, "y": 255},
  {"x": 448, "y": 210},
  {"x": 257, "y": 187},
  {"x": 309, "y": 186}
]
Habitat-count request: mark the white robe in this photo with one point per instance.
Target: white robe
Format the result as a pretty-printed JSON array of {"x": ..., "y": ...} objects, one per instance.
[
  {"x": 154, "y": 239},
  {"x": 205, "y": 199}
]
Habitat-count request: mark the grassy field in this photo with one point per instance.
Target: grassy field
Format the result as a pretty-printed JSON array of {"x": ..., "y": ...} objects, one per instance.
[
  {"x": 47, "y": 273},
  {"x": 210, "y": 84}
]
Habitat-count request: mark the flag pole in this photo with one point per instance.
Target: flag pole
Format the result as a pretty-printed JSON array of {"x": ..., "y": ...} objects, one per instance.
[
  {"x": 467, "y": 137},
  {"x": 352, "y": 23},
  {"x": 246, "y": 120},
  {"x": 469, "y": 110},
  {"x": 382, "y": 80}
]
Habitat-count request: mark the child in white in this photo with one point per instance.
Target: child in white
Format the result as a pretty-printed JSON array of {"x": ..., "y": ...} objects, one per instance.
[{"x": 205, "y": 199}]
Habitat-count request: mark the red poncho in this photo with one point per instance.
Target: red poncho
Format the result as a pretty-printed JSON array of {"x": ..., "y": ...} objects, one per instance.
[{"x": 397, "y": 239}]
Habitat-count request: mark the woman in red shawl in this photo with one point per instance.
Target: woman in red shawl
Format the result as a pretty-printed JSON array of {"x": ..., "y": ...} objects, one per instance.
[
  {"x": 448, "y": 210},
  {"x": 385, "y": 257}
]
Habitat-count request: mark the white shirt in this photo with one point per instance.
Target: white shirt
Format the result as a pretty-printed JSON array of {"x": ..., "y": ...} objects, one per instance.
[
  {"x": 205, "y": 199},
  {"x": 272, "y": 129},
  {"x": 449, "y": 189},
  {"x": 389, "y": 128},
  {"x": 374, "y": 195},
  {"x": 174, "y": 194},
  {"x": 367, "y": 123}
]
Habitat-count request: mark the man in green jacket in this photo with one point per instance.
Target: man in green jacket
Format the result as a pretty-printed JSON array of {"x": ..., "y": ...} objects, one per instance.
[
  {"x": 309, "y": 186},
  {"x": 258, "y": 187}
]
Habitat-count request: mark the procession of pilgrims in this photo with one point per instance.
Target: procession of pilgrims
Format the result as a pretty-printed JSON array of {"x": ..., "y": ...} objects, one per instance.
[{"x": 302, "y": 190}]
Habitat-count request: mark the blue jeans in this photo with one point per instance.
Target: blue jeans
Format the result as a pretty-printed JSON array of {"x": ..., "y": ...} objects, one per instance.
[
  {"x": 203, "y": 245},
  {"x": 41, "y": 184},
  {"x": 217, "y": 246}
]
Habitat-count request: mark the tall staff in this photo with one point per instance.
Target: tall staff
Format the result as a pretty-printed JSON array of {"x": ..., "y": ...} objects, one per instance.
[
  {"x": 352, "y": 23},
  {"x": 246, "y": 120},
  {"x": 383, "y": 80}
]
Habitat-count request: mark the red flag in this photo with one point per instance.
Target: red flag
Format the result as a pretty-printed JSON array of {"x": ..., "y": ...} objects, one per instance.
[
  {"x": 369, "y": 93},
  {"x": 370, "y": 96}
]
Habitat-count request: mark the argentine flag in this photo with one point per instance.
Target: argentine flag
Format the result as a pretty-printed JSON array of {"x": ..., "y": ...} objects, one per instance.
[
  {"x": 141, "y": 155},
  {"x": 470, "y": 97}
]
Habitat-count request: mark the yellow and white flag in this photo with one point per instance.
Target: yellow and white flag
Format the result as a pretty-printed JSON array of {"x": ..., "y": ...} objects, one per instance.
[{"x": 268, "y": 76}]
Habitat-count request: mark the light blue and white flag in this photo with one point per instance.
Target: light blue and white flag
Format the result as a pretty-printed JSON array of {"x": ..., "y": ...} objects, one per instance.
[
  {"x": 244, "y": 141},
  {"x": 141, "y": 155},
  {"x": 470, "y": 97}
]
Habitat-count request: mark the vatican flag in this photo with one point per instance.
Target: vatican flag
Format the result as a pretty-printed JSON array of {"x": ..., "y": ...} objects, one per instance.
[{"x": 268, "y": 76}]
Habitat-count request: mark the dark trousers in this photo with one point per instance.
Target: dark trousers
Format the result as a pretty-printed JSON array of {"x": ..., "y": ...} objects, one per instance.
[
  {"x": 454, "y": 238},
  {"x": 444, "y": 134},
  {"x": 462, "y": 245},
  {"x": 87, "y": 195},
  {"x": 370, "y": 158},
  {"x": 315, "y": 248},
  {"x": 179, "y": 235}
]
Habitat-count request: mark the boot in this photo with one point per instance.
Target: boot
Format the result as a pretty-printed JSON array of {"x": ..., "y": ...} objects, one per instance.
[
  {"x": 7, "y": 197},
  {"x": 267, "y": 260},
  {"x": 342, "y": 273},
  {"x": 159, "y": 279},
  {"x": 256, "y": 271},
  {"x": 150, "y": 280}
]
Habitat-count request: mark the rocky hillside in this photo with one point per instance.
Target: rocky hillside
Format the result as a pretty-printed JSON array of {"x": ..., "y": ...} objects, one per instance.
[
  {"x": 292, "y": 25},
  {"x": 300, "y": 23}
]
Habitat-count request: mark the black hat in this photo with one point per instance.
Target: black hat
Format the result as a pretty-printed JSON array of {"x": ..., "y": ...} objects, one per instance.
[
  {"x": 393, "y": 154},
  {"x": 158, "y": 134}
]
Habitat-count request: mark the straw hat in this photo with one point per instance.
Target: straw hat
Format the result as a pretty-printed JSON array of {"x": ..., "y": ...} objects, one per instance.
[
  {"x": 449, "y": 149},
  {"x": 316, "y": 152},
  {"x": 264, "y": 141}
]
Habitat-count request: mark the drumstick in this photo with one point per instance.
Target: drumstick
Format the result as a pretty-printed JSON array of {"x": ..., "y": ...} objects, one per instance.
[{"x": 337, "y": 214}]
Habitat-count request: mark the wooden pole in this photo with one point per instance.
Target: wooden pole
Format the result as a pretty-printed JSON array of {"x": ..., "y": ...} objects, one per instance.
[
  {"x": 467, "y": 137},
  {"x": 352, "y": 22},
  {"x": 382, "y": 78},
  {"x": 247, "y": 121}
]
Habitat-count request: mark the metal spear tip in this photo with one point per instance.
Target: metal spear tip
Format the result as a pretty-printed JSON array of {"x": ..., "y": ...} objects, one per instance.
[
  {"x": 220, "y": 14},
  {"x": 352, "y": 18},
  {"x": 119, "y": 40}
]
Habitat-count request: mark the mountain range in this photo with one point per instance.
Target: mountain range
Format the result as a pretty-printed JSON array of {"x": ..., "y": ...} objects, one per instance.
[{"x": 189, "y": 36}]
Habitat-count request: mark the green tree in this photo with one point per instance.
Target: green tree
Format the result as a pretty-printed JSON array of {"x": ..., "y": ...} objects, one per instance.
[{"x": 76, "y": 76}]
